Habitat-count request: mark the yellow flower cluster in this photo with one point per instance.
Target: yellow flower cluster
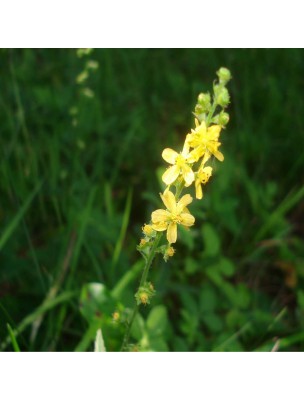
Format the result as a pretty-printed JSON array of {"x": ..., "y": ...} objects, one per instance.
[
  {"x": 189, "y": 166},
  {"x": 200, "y": 144}
]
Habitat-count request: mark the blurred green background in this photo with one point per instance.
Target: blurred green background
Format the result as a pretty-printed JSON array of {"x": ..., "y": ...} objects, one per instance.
[{"x": 81, "y": 142}]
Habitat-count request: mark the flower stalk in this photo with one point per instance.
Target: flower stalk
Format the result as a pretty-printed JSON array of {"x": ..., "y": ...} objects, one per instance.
[{"x": 185, "y": 168}]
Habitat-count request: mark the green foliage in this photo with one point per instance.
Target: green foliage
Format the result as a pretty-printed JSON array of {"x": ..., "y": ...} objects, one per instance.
[{"x": 81, "y": 140}]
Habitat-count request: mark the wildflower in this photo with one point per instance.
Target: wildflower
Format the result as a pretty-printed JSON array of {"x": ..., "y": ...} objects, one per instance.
[
  {"x": 144, "y": 298},
  {"x": 204, "y": 141},
  {"x": 116, "y": 316},
  {"x": 180, "y": 165},
  {"x": 142, "y": 242},
  {"x": 224, "y": 75},
  {"x": 202, "y": 177},
  {"x": 175, "y": 213},
  {"x": 170, "y": 251},
  {"x": 147, "y": 230}
]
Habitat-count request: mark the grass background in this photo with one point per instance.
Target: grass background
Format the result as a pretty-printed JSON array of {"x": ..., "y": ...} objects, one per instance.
[{"x": 80, "y": 174}]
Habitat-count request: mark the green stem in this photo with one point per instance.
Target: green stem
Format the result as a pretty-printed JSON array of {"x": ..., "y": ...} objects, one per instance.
[
  {"x": 211, "y": 112},
  {"x": 142, "y": 282}
]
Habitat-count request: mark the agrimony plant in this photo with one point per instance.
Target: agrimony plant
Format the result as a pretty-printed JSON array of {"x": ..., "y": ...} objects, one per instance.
[{"x": 186, "y": 168}]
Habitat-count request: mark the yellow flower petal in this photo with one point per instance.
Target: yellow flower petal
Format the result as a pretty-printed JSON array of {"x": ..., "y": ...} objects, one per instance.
[
  {"x": 218, "y": 155},
  {"x": 184, "y": 201},
  {"x": 188, "y": 175},
  {"x": 169, "y": 201},
  {"x": 160, "y": 226},
  {"x": 172, "y": 232},
  {"x": 205, "y": 158},
  {"x": 169, "y": 155},
  {"x": 214, "y": 132},
  {"x": 186, "y": 149},
  {"x": 187, "y": 219},
  {"x": 196, "y": 154},
  {"x": 201, "y": 128},
  {"x": 171, "y": 174},
  {"x": 198, "y": 190},
  {"x": 208, "y": 171},
  {"x": 160, "y": 215}
]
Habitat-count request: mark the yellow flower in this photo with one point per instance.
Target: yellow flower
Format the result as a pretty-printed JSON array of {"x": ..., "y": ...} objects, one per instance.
[
  {"x": 170, "y": 251},
  {"x": 205, "y": 141},
  {"x": 175, "y": 213},
  {"x": 180, "y": 165},
  {"x": 116, "y": 316},
  {"x": 202, "y": 177},
  {"x": 147, "y": 229},
  {"x": 144, "y": 298},
  {"x": 142, "y": 242}
]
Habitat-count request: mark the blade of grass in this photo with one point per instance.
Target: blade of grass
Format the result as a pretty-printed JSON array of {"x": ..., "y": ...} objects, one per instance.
[
  {"x": 56, "y": 286},
  {"x": 13, "y": 338},
  {"x": 127, "y": 278},
  {"x": 88, "y": 337},
  {"x": 43, "y": 308},
  {"x": 80, "y": 241},
  {"x": 290, "y": 201},
  {"x": 123, "y": 230},
  {"x": 8, "y": 231}
]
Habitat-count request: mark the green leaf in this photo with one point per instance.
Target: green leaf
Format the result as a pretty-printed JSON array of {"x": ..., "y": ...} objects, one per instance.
[
  {"x": 191, "y": 266},
  {"x": 226, "y": 267},
  {"x": 95, "y": 299},
  {"x": 207, "y": 299},
  {"x": 158, "y": 344},
  {"x": 138, "y": 329},
  {"x": 211, "y": 240},
  {"x": 157, "y": 321},
  {"x": 213, "y": 322}
]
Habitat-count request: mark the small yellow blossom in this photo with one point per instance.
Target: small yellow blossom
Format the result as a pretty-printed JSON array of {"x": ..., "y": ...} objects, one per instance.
[
  {"x": 147, "y": 229},
  {"x": 170, "y": 251},
  {"x": 116, "y": 316},
  {"x": 143, "y": 242},
  {"x": 176, "y": 213},
  {"x": 180, "y": 165},
  {"x": 144, "y": 297},
  {"x": 202, "y": 177},
  {"x": 204, "y": 141}
]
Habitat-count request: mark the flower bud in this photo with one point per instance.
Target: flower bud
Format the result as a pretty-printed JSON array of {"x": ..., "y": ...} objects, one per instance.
[
  {"x": 145, "y": 293},
  {"x": 204, "y": 101},
  {"x": 144, "y": 298},
  {"x": 169, "y": 252},
  {"x": 224, "y": 75},
  {"x": 148, "y": 230},
  {"x": 223, "y": 118},
  {"x": 116, "y": 316},
  {"x": 222, "y": 97}
]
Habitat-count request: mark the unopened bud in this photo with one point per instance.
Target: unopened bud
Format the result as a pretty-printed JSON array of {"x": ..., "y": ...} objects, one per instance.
[
  {"x": 204, "y": 101},
  {"x": 224, "y": 75},
  {"x": 116, "y": 316},
  {"x": 222, "y": 97},
  {"x": 147, "y": 230},
  {"x": 142, "y": 242},
  {"x": 170, "y": 251},
  {"x": 223, "y": 118}
]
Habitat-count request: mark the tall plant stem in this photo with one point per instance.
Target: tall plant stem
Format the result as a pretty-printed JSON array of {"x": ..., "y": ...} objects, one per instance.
[{"x": 143, "y": 280}]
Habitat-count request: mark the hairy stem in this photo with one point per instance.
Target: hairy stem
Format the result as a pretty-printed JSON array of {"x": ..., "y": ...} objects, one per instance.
[{"x": 142, "y": 282}]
